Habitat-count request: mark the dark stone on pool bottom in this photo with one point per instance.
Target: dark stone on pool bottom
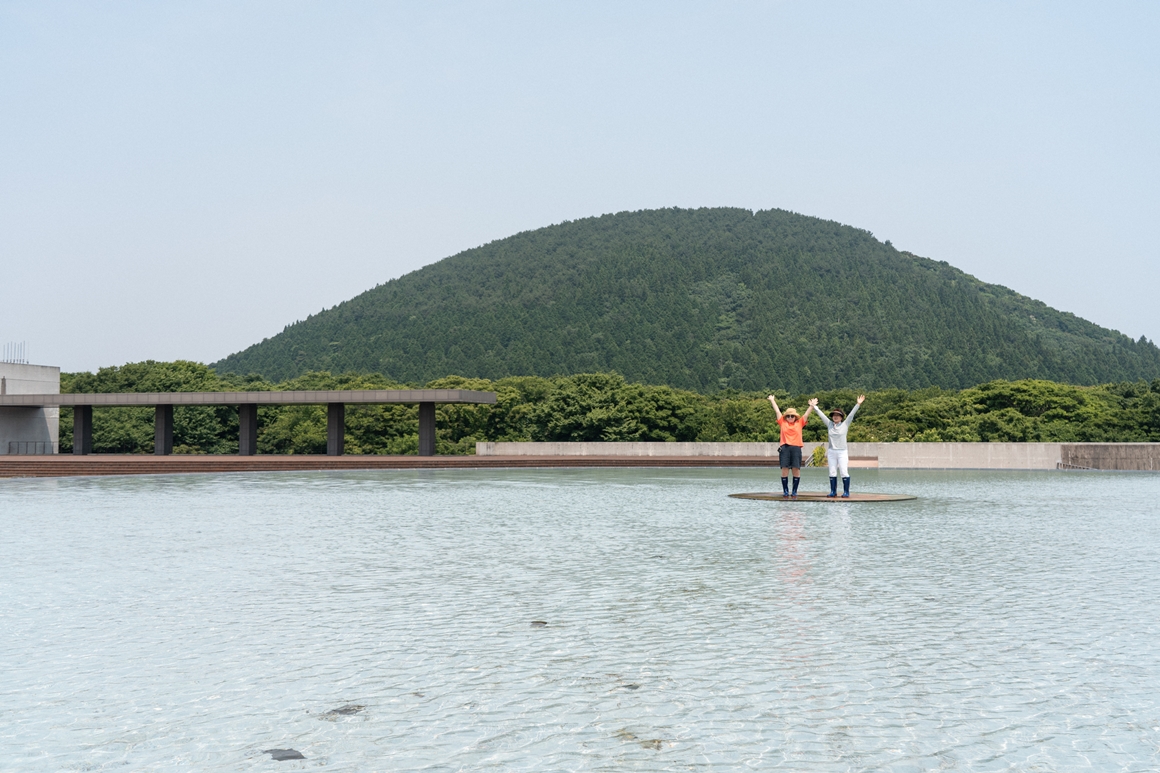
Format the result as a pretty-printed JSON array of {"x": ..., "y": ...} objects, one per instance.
[
  {"x": 539, "y": 624},
  {"x": 352, "y": 708},
  {"x": 281, "y": 755}
]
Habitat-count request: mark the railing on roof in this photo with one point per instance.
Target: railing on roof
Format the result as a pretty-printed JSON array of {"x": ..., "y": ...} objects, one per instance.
[
  {"x": 16, "y": 353},
  {"x": 32, "y": 447}
]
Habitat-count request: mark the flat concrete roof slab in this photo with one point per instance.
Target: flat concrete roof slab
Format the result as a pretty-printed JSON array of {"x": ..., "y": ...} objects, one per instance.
[{"x": 350, "y": 397}]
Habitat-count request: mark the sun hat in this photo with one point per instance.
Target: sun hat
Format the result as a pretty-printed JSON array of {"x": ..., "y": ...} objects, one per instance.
[
  {"x": 838, "y": 411},
  {"x": 791, "y": 412}
]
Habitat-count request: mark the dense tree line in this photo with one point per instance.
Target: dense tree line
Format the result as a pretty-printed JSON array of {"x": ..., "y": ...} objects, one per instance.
[
  {"x": 604, "y": 406},
  {"x": 707, "y": 299}
]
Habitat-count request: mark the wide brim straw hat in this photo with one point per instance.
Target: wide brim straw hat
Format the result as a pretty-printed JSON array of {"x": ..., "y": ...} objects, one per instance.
[{"x": 791, "y": 412}]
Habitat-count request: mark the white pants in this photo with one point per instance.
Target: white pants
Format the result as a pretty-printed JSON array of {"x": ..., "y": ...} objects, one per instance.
[{"x": 839, "y": 461}]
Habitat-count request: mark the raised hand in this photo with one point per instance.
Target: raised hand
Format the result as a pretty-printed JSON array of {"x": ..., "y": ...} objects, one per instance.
[
  {"x": 861, "y": 398},
  {"x": 813, "y": 402}
]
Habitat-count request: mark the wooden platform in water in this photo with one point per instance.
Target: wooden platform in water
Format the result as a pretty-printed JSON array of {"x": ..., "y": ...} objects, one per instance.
[{"x": 821, "y": 496}]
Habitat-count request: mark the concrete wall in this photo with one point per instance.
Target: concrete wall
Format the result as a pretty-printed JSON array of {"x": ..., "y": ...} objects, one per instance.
[
  {"x": 896, "y": 456},
  {"x": 961, "y": 456},
  {"x": 631, "y": 449},
  {"x": 39, "y": 426},
  {"x": 1112, "y": 456},
  {"x": 902, "y": 456}
]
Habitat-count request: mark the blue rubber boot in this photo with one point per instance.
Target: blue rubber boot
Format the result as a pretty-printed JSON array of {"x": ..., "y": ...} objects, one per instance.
[
  {"x": 785, "y": 487},
  {"x": 846, "y": 488},
  {"x": 796, "y": 481},
  {"x": 833, "y": 487}
]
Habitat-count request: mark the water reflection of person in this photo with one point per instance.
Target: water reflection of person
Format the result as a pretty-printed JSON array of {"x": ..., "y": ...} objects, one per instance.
[
  {"x": 837, "y": 452},
  {"x": 792, "y": 549}
]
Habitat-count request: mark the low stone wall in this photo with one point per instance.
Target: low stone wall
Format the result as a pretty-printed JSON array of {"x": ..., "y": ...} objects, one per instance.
[
  {"x": 895, "y": 456},
  {"x": 632, "y": 449},
  {"x": 1111, "y": 456},
  {"x": 961, "y": 456}
]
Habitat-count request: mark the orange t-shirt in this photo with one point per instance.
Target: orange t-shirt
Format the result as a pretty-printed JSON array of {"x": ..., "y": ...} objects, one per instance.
[{"x": 791, "y": 434}]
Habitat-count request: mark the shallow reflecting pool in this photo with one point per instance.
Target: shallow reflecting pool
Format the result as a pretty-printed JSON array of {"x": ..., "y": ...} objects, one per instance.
[{"x": 579, "y": 620}]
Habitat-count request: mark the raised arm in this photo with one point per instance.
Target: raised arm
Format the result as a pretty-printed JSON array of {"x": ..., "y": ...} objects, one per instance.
[
  {"x": 776, "y": 410},
  {"x": 818, "y": 411},
  {"x": 856, "y": 407}
]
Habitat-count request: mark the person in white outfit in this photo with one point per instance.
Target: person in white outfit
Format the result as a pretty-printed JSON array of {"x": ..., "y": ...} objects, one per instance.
[{"x": 837, "y": 452}]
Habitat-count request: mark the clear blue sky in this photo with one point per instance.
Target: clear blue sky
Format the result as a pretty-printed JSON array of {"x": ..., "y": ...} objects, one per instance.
[{"x": 180, "y": 180}]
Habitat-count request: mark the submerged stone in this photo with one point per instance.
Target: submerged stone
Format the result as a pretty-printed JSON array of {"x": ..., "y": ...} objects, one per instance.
[
  {"x": 539, "y": 624},
  {"x": 345, "y": 711},
  {"x": 281, "y": 755},
  {"x": 655, "y": 744}
]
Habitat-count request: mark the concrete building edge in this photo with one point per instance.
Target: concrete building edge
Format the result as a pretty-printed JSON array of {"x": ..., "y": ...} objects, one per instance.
[{"x": 31, "y": 428}]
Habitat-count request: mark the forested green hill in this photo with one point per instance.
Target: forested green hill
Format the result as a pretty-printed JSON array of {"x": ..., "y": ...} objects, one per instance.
[{"x": 701, "y": 299}]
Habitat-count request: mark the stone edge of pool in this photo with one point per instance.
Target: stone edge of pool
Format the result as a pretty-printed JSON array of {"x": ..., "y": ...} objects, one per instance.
[
  {"x": 12, "y": 466},
  {"x": 896, "y": 456}
]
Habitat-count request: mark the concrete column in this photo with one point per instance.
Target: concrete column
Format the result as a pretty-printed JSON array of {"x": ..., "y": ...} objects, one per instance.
[
  {"x": 82, "y": 429},
  {"x": 163, "y": 430},
  {"x": 426, "y": 429},
  {"x": 247, "y": 429},
  {"x": 335, "y": 428}
]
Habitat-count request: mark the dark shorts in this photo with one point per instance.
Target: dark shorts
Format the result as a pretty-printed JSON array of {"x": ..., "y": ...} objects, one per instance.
[{"x": 790, "y": 456}]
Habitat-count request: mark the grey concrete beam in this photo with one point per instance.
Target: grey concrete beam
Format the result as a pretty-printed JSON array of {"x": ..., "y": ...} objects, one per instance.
[
  {"x": 350, "y": 397},
  {"x": 247, "y": 429},
  {"x": 163, "y": 430},
  {"x": 83, "y": 429},
  {"x": 426, "y": 429},
  {"x": 335, "y": 429}
]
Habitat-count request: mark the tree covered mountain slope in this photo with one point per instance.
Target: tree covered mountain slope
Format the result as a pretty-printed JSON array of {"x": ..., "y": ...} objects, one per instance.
[{"x": 702, "y": 299}]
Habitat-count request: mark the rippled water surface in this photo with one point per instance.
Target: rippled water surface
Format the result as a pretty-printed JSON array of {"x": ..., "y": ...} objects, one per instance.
[{"x": 1001, "y": 622}]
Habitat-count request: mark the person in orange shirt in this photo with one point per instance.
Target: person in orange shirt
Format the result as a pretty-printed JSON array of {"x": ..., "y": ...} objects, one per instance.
[{"x": 790, "y": 452}]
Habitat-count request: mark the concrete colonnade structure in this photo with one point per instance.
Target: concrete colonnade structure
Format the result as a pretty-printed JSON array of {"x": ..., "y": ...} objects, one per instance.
[{"x": 247, "y": 402}]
